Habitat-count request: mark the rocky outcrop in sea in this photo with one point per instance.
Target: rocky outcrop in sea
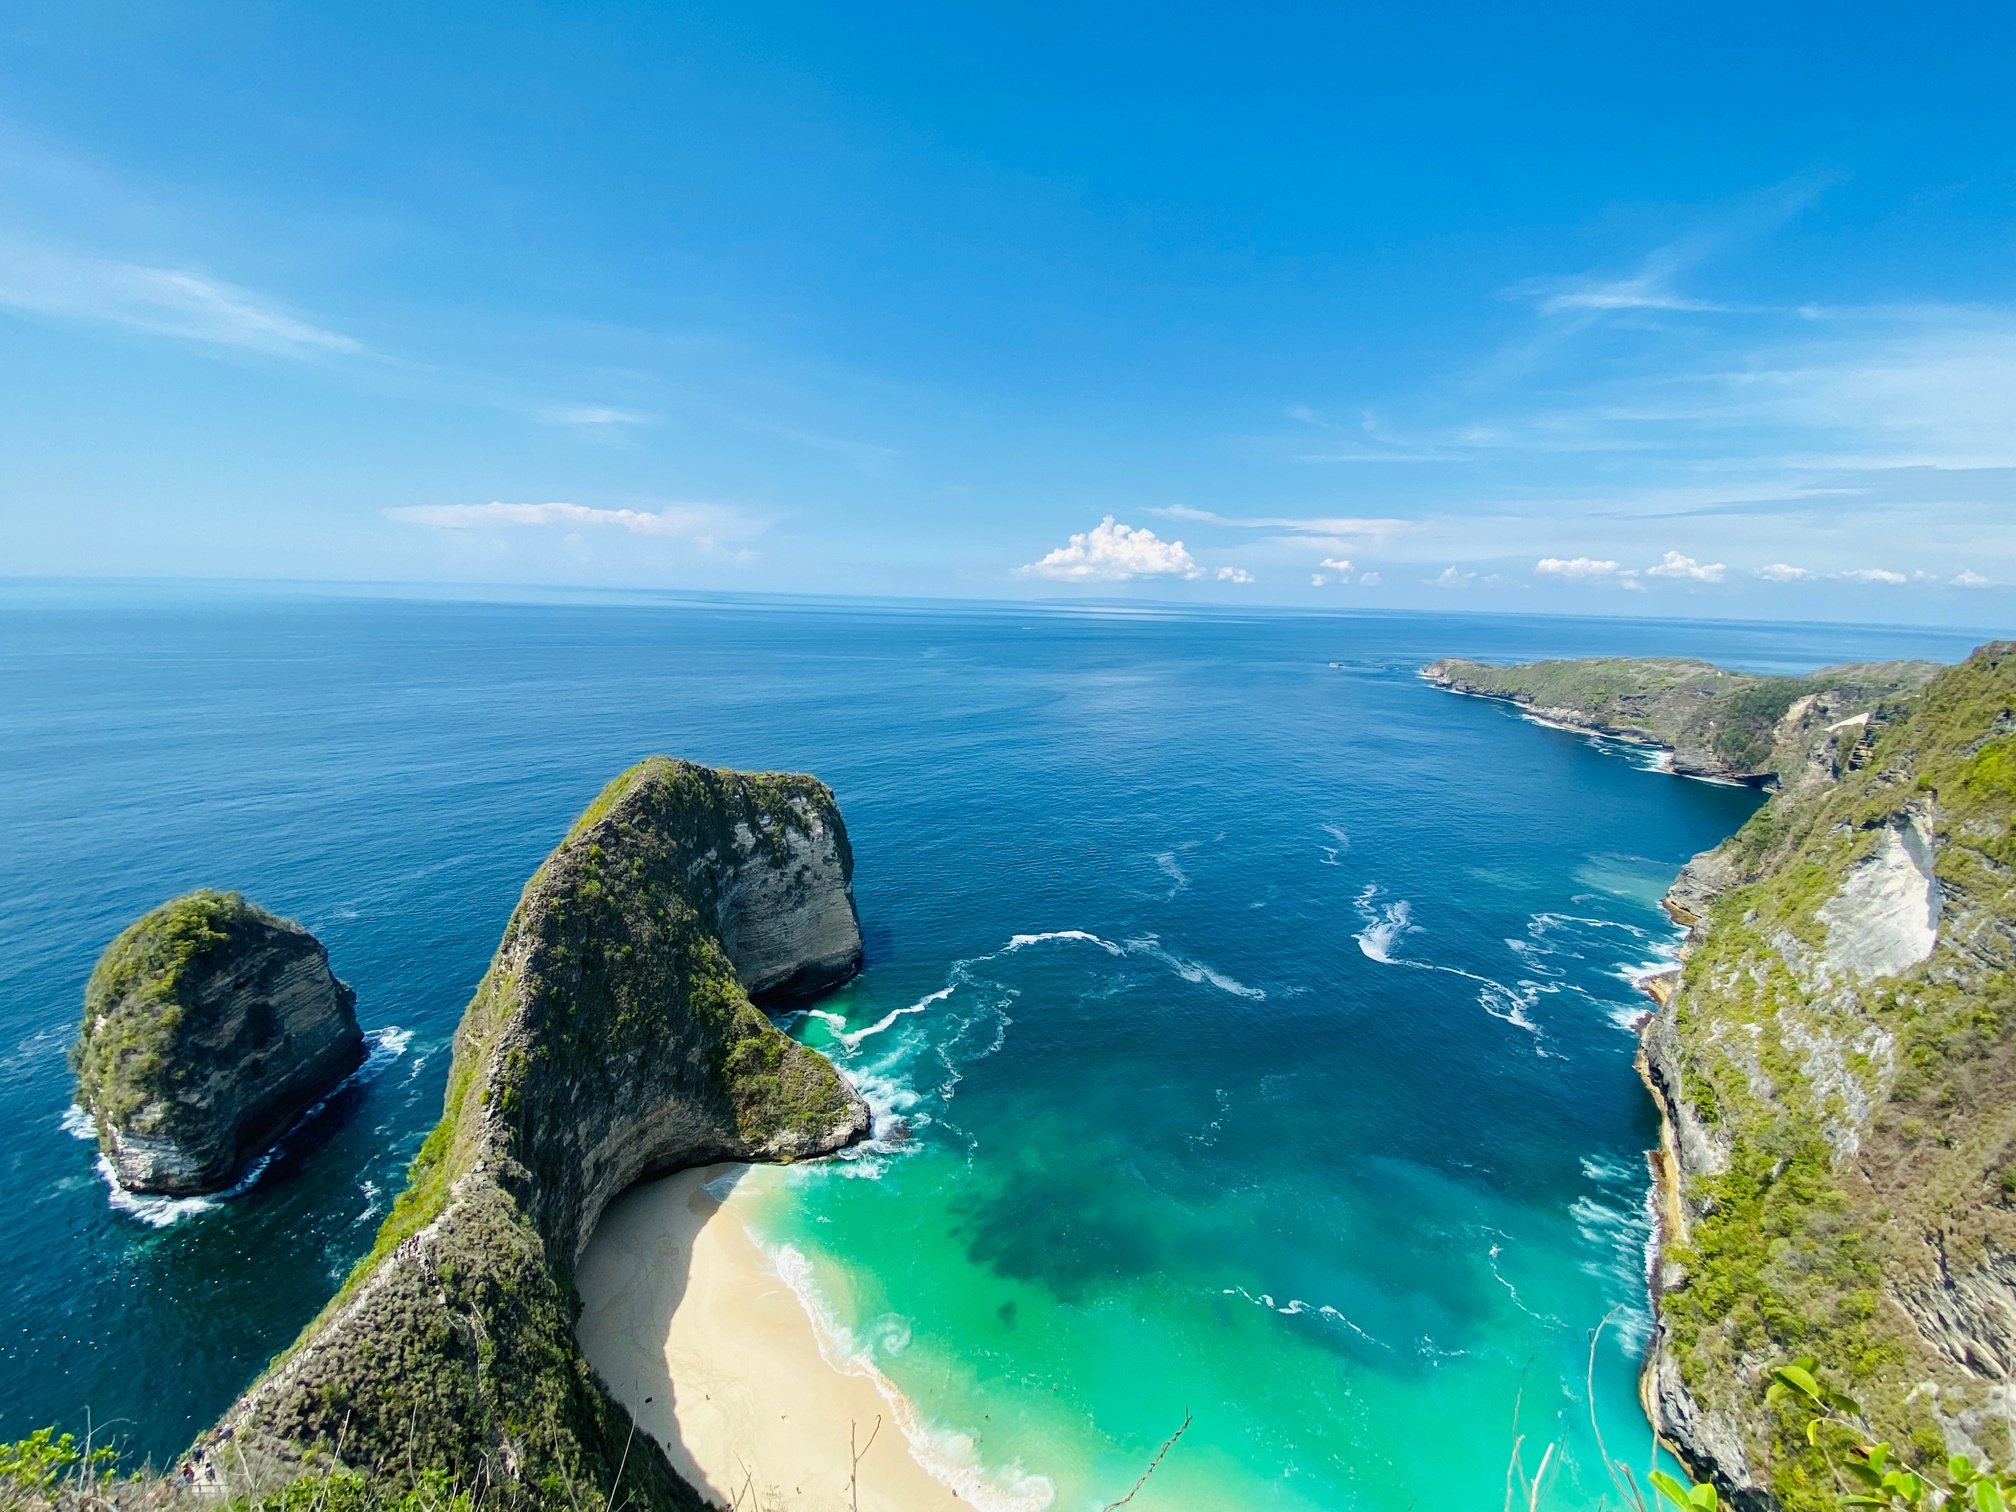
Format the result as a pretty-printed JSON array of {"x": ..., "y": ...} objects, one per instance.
[{"x": 209, "y": 1026}]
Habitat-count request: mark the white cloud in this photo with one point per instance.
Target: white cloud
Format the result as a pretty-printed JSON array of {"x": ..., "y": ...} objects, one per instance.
[
  {"x": 1674, "y": 565},
  {"x": 704, "y": 524},
  {"x": 1368, "y": 580},
  {"x": 1968, "y": 579},
  {"x": 41, "y": 280},
  {"x": 1579, "y": 568},
  {"x": 1452, "y": 577},
  {"x": 1872, "y": 575},
  {"x": 1114, "y": 553},
  {"x": 1784, "y": 572},
  {"x": 593, "y": 416},
  {"x": 1234, "y": 575},
  {"x": 1335, "y": 570}
]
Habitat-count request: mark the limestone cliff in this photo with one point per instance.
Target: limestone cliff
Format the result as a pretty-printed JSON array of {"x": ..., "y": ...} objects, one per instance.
[
  {"x": 1834, "y": 1065},
  {"x": 612, "y": 1039},
  {"x": 209, "y": 1026},
  {"x": 1712, "y": 722}
]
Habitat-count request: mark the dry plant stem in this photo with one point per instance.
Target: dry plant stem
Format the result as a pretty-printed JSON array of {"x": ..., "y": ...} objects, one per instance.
[
  {"x": 1168, "y": 1444},
  {"x": 1513, "y": 1469},
  {"x": 621, "y": 1465},
  {"x": 854, "y": 1470}
]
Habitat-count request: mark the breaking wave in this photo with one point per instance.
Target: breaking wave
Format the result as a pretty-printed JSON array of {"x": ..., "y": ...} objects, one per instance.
[{"x": 382, "y": 1048}]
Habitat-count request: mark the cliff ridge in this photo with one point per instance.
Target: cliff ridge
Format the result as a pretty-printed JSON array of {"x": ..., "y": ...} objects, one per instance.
[
  {"x": 1833, "y": 1065},
  {"x": 612, "y": 1039}
]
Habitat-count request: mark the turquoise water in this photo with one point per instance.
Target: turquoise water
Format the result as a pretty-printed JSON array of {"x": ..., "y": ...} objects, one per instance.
[{"x": 1257, "y": 1027}]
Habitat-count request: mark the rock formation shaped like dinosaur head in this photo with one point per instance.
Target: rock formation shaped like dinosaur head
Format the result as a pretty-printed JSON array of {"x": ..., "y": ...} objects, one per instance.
[{"x": 612, "y": 1039}]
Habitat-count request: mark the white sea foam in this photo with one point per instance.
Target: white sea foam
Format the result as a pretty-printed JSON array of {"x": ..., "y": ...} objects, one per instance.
[
  {"x": 947, "y": 1455},
  {"x": 971, "y": 1023},
  {"x": 1619, "y": 1223},
  {"x": 1295, "y": 1306},
  {"x": 382, "y": 1047},
  {"x": 159, "y": 1212},
  {"x": 1333, "y": 854},
  {"x": 1513, "y": 1291},
  {"x": 1386, "y": 924},
  {"x": 1024, "y": 941},
  {"x": 1208, "y": 1135},
  {"x": 851, "y": 1039},
  {"x": 1192, "y": 971},
  {"x": 1173, "y": 870}
]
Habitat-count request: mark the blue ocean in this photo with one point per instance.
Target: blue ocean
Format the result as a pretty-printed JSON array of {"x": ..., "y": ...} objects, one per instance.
[{"x": 1260, "y": 1017}]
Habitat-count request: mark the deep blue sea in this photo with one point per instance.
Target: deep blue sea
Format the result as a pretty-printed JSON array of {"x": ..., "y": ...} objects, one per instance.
[{"x": 1261, "y": 1014}]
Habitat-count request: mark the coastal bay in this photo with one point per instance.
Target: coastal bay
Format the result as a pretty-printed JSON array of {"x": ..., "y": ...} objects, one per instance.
[{"x": 1270, "y": 1062}]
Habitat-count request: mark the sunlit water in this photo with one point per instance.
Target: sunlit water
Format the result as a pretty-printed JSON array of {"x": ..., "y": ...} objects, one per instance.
[{"x": 1251, "y": 1034}]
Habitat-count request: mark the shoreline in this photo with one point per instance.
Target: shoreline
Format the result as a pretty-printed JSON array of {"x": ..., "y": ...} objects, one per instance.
[
  {"x": 716, "y": 1356},
  {"x": 1566, "y": 722},
  {"x": 1669, "y": 1209}
]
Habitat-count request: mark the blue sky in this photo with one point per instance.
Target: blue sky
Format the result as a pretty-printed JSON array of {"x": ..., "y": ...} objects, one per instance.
[{"x": 1698, "y": 310}]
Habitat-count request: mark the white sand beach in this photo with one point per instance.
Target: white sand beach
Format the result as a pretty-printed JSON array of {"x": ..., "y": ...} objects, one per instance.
[{"x": 689, "y": 1323}]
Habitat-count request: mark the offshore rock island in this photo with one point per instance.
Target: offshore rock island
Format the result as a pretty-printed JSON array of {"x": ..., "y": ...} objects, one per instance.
[
  {"x": 1834, "y": 1062},
  {"x": 209, "y": 1026},
  {"x": 612, "y": 1039}
]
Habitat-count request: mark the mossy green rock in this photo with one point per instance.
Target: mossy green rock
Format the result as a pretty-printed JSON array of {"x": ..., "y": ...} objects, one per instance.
[
  {"x": 209, "y": 1026},
  {"x": 612, "y": 1039},
  {"x": 1836, "y": 1067},
  {"x": 1735, "y": 726}
]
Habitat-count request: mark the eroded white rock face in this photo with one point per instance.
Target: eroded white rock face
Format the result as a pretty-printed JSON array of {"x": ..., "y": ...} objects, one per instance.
[
  {"x": 787, "y": 916},
  {"x": 1885, "y": 918}
]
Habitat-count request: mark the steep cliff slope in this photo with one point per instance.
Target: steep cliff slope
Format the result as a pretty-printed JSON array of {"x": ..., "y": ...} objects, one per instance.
[
  {"x": 611, "y": 1039},
  {"x": 209, "y": 1025},
  {"x": 1836, "y": 1067},
  {"x": 1737, "y": 726}
]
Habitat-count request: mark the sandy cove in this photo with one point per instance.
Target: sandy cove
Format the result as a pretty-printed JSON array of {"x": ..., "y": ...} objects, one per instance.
[{"x": 688, "y": 1321}]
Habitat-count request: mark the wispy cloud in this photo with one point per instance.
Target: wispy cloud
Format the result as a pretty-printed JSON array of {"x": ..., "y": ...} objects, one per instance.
[
  {"x": 1785, "y": 572},
  {"x": 1649, "y": 288},
  {"x": 1234, "y": 575},
  {"x": 705, "y": 525},
  {"x": 1114, "y": 553},
  {"x": 50, "y": 282},
  {"x": 593, "y": 417},
  {"x": 1329, "y": 527}
]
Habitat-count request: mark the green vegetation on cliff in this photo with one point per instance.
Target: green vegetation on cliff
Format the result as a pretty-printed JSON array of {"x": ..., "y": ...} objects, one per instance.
[
  {"x": 1839, "y": 1054},
  {"x": 138, "y": 992},
  {"x": 1717, "y": 722}
]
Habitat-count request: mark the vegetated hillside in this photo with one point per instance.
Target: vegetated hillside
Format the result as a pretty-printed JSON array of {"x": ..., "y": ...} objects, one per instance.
[
  {"x": 611, "y": 1039},
  {"x": 1839, "y": 1069},
  {"x": 1717, "y": 723}
]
